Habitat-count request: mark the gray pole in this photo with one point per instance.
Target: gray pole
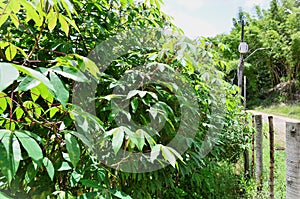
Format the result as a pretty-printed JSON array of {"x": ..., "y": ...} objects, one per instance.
[
  {"x": 241, "y": 64},
  {"x": 245, "y": 92},
  {"x": 240, "y": 85}
]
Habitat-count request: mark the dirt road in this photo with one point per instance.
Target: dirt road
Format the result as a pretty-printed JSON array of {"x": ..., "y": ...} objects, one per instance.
[{"x": 279, "y": 125}]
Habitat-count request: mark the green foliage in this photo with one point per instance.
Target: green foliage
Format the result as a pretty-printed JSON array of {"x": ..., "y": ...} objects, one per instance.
[
  {"x": 43, "y": 52},
  {"x": 277, "y": 31}
]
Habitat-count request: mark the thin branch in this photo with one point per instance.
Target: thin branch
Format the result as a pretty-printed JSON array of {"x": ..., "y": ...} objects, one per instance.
[
  {"x": 11, "y": 106},
  {"x": 54, "y": 51},
  {"x": 37, "y": 39},
  {"x": 46, "y": 124},
  {"x": 8, "y": 2}
]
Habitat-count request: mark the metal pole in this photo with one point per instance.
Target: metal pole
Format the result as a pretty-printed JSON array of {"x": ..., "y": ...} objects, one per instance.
[
  {"x": 241, "y": 64},
  {"x": 245, "y": 92},
  {"x": 240, "y": 85}
]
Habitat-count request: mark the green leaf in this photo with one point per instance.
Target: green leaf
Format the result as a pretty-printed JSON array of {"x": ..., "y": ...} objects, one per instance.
[
  {"x": 155, "y": 152},
  {"x": 61, "y": 93},
  {"x": 73, "y": 149},
  {"x": 44, "y": 92},
  {"x": 49, "y": 167},
  {"x": 117, "y": 140},
  {"x": 168, "y": 156},
  {"x": 36, "y": 75},
  {"x": 31, "y": 172},
  {"x": 52, "y": 20},
  {"x": 88, "y": 65},
  {"x": 8, "y": 74},
  {"x": 31, "y": 146},
  {"x": 4, "y": 133},
  {"x": 149, "y": 139},
  {"x": 31, "y": 13},
  {"x": 75, "y": 178},
  {"x": 120, "y": 194},
  {"x": 132, "y": 93},
  {"x": 4, "y": 196},
  {"x": 4, "y": 44},
  {"x": 72, "y": 23},
  {"x": 64, "y": 167},
  {"x": 134, "y": 104},
  {"x": 7, "y": 159},
  {"x": 28, "y": 83},
  {"x": 15, "y": 20},
  {"x": 19, "y": 112},
  {"x": 53, "y": 111},
  {"x": 68, "y": 7},
  {"x": 3, "y": 19},
  {"x": 35, "y": 93},
  {"x": 3, "y": 102},
  {"x": 90, "y": 183},
  {"x": 140, "y": 138},
  {"x": 33, "y": 135},
  {"x": 64, "y": 25},
  {"x": 16, "y": 149},
  {"x": 71, "y": 73},
  {"x": 176, "y": 153},
  {"x": 89, "y": 195}
]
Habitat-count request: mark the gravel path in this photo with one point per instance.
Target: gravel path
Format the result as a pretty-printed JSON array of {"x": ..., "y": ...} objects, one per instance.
[{"x": 279, "y": 125}]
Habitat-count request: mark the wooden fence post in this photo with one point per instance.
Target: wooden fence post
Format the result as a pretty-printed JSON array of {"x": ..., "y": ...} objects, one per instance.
[
  {"x": 292, "y": 160},
  {"x": 253, "y": 148},
  {"x": 259, "y": 151},
  {"x": 271, "y": 135}
]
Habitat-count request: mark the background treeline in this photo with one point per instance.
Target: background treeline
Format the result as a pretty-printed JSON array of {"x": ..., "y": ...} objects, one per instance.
[{"x": 273, "y": 73}]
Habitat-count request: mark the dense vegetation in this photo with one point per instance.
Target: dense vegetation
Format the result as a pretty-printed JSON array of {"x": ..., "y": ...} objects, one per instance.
[
  {"x": 107, "y": 99},
  {"x": 273, "y": 73}
]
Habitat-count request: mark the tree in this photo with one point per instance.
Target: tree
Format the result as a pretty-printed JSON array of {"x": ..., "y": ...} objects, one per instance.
[{"x": 50, "y": 136}]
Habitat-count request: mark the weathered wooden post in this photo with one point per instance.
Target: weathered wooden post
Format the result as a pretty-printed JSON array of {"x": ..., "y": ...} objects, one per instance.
[
  {"x": 253, "y": 148},
  {"x": 292, "y": 160},
  {"x": 259, "y": 151},
  {"x": 271, "y": 136}
]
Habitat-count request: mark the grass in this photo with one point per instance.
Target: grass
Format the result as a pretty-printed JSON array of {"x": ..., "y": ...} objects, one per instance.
[
  {"x": 279, "y": 172},
  {"x": 288, "y": 110}
]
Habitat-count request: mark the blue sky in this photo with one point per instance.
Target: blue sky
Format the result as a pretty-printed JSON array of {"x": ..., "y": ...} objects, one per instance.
[{"x": 207, "y": 17}]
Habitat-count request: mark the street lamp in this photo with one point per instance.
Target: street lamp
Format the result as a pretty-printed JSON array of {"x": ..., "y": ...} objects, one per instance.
[{"x": 243, "y": 47}]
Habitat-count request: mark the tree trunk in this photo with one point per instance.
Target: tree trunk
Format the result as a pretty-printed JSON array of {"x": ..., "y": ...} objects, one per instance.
[{"x": 293, "y": 160}]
